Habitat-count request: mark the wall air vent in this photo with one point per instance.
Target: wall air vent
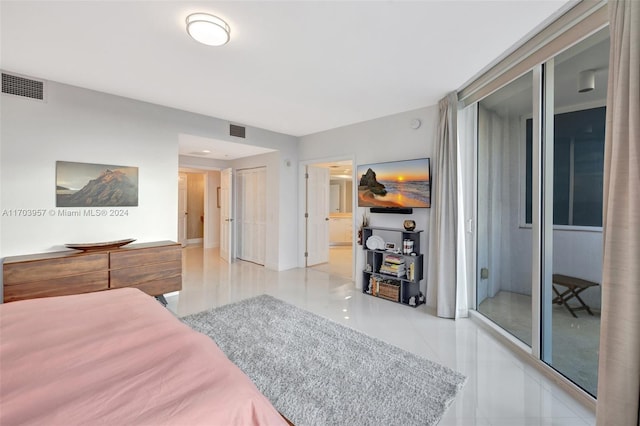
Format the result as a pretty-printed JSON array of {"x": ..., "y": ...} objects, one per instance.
[
  {"x": 21, "y": 86},
  {"x": 238, "y": 131}
]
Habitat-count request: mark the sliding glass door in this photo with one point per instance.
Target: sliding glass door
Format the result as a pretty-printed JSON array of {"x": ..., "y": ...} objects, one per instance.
[
  {"x": 540, "y": 189},
  {"x": 575, "y": 116},
  {"x": 504, "y": 245}
]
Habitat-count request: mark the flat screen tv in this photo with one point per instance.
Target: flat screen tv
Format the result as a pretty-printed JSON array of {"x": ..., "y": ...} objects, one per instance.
[{"x": 395, "y": 184}]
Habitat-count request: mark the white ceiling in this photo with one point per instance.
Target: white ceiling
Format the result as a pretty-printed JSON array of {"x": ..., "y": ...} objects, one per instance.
[
  {"x": 295, "y": 67},
  {"x": 197, "y": 146}
]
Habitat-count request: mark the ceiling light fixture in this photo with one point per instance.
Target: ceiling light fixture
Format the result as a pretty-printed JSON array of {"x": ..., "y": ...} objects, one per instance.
[{"x": 208, "y": 29}]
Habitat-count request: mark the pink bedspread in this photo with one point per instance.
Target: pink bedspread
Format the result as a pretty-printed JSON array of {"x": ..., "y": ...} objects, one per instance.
[{"x": 117, "y": 357}]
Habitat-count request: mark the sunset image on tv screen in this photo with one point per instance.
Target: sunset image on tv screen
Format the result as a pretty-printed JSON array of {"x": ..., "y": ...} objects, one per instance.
[{"x": 395, "y": 184}]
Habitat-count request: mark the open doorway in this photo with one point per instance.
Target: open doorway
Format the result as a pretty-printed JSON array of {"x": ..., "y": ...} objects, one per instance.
[
  {"x": 222, "y": 228},
  {"x": 198, "y": 214},
  {"x": 329, "y": 217}
]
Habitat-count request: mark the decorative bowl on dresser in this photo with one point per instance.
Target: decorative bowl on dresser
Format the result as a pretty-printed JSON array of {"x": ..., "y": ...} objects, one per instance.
[
  {"x": 155, "y": 268},
  {"x": 106, "y": 245}
]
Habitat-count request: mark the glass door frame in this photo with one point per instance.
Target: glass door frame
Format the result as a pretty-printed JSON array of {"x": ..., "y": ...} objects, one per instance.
[
  {"x": 542, "y": 175},
  {"x": 542, "y": 211},
  {"x": 545, "y": 168},
  {"x": 536, "y": 55}
]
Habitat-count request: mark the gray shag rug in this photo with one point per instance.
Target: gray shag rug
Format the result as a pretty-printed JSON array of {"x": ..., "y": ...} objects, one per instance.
[{"x": 318, "y": 372}]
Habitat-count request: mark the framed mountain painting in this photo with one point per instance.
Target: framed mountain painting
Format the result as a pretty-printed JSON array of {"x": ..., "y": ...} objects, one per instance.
[{"x": 95, "y": 185}]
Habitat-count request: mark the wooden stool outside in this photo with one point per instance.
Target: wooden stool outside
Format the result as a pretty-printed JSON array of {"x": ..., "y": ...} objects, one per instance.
[{"x": 574, "y": 286}]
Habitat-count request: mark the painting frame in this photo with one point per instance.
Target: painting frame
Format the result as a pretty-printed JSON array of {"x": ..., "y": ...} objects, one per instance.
[{"x": 96, "y": 185}]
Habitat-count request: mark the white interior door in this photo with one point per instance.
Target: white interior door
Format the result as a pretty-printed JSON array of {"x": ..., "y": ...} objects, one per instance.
[
  {"x": 251, "y": 217},
  {"x": 226, "y": 219},
  {"x": 182, "y": 209},
  {"x": 317, "y": 215}
]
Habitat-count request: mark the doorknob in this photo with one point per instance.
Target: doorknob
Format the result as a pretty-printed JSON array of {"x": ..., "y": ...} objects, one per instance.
[{"x": 326, "y": 218}]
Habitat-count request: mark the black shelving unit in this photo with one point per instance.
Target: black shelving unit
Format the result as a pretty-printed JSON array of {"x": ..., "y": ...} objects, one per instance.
[{"x": 408, "y": 282}]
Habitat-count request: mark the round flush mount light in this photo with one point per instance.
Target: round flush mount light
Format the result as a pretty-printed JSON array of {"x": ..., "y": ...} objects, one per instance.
[{"x": 208, "y": 29}]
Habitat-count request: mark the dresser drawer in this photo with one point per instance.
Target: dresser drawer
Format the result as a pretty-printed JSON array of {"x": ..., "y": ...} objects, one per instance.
[
  {"x": 54, "y": 268},
  {"x": 129, "y": 277},
  {"x": 154, "y": 267},
  {"x": 134, "y": 258},
  {"x": 158, "y": 287},
  {"x": 73, "y": 284}
]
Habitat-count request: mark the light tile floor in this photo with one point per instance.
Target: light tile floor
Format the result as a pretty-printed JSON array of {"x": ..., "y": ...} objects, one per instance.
[
  {"x": 500, "y": 390},
  {"x": 575, "y": 341},
  {"x": 340, "y": 262}
]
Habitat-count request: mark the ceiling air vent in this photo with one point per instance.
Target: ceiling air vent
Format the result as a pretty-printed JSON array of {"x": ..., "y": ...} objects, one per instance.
[
  {"x": 21, "y": 86},
  {"x": 237, "y": 131}
]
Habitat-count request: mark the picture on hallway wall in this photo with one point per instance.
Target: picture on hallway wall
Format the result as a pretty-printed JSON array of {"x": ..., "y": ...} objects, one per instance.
[
  {"x": 395, "y": 184},
  {"x": 95, "y": 185}
]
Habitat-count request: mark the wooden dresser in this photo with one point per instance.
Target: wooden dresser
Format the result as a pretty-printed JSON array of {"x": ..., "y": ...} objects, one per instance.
[{"x": 155, "y": 268}]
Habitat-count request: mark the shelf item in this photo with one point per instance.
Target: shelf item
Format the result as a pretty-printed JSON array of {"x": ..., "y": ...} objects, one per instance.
[
  {"x": 384, "y": 288},
  {"x": 393, "y": 265},
  {"x": 393, "y": 275},
  {"x": 374, "y": 242},
  {"x": 409, "y": 225}
]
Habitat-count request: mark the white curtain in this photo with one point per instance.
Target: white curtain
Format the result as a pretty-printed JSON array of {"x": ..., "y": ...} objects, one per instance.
[
  {"x": 446, "y": 249},
  {"x": 467, "y": 142},
  {"x": 494, "y": 204},
  {"x": 619, "y": 364}
]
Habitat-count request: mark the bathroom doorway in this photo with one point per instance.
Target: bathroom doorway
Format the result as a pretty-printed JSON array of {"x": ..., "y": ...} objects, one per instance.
[{"x": 339, "y": 216}]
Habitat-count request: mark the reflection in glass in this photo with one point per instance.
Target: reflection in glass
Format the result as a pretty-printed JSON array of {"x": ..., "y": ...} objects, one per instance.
[{"x": 578, "y": 148}]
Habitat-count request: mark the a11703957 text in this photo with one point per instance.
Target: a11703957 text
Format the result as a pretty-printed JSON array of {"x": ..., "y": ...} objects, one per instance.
[{"x": 79, "y": 212}]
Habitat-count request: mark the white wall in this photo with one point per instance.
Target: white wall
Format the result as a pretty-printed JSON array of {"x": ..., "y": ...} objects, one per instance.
[
  {"x": 288, "y": 198},
  {"x": 76, "y": 124},
  {"x": 84, "y": 126},
  {"x": 385, "y": 139},
  {"x": 211, "y": 210}
]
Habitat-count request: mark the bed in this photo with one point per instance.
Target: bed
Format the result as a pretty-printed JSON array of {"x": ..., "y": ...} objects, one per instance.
[{"x": 117, "y": 357}]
